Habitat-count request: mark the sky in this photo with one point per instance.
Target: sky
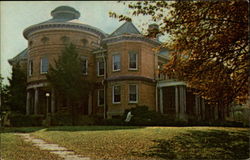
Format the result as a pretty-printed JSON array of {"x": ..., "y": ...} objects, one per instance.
[{"x": 17, "y": 15}]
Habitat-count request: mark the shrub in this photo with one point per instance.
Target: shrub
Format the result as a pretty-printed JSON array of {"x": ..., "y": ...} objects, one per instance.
[
  {"x": 86, "y": 120},
  {"x": 144, "y": 117},
  {"x": 20, "y": 120},
  {"x": 61, "y": 119}
]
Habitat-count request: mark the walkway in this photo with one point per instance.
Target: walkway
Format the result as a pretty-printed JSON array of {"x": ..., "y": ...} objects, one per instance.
[{"x": 52, "y": 148}]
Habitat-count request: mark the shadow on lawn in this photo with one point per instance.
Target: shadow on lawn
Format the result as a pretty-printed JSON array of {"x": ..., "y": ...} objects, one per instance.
[
  {"x": 66, "y": 128},
  {"x": 214, "y": 144},
  {"x": 92, "y": 128},
  {"x": 20, "y": 129}
]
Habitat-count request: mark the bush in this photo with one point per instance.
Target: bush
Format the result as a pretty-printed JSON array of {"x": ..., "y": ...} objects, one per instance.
[
  {"x": 144, "y": 117},
  {"x": 61, "y": 119},
  {"x": 86, "y": 120},
  {"x": 65, "y": 119},
  {"x": 20, "y": 120}
]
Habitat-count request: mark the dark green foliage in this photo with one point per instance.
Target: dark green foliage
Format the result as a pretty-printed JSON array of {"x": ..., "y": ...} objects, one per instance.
[
  {"x": 65, "y": 119},
  {"x": 67, "y": 79},
  {"x": 5, "y": 106},
  {"x": 20, "y": 120},
  {"x": 143, "y": 116},
  {"x": 61, "y": 119},
  {"x": 17, "y": 89}
]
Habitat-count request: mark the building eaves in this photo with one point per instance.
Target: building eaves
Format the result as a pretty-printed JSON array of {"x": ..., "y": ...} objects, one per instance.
[{"x": 21, "y": 56}]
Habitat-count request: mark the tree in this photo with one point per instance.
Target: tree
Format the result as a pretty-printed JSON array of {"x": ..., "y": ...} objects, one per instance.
[
  {"x": 209, "y": 43},
  {"x": 17, "y": 89},
  {"x": 67, "y": 79}
]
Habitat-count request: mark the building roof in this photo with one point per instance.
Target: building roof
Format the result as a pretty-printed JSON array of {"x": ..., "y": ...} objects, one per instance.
[
  {"x": 63, "y": 17},
  {"x": 21, "y": 56},
  {"x": 127, "y": 28},
  {"x": 65, "y": 12}
]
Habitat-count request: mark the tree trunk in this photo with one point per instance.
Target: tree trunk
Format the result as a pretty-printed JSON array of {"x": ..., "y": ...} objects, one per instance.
[{"x": 221, "y": 111}]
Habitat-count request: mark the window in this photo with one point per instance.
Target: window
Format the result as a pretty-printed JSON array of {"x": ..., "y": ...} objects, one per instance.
[
  {"x": 85, "y": 65},
  {"x": 116, "y": 94},
  {"x": 116, "y": 62},
  {"x": 100, "y": 97},
  {"x": 133, "y": 93},
  {"x": 30, "y": 68},
  {"x": 133, "y": 61},
  {"x": 44, "y": 65},
  {"x": 100, "y": 68}
]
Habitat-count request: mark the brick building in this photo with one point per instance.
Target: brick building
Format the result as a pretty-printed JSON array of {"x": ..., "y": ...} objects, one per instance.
[{"x": 123, "y": 66}]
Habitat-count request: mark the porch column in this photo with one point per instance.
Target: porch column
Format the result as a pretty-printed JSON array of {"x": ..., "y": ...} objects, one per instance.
[
  {"x": 161, "y": 101},
  {"x": 182, "y": 102},
  {"x": 184, "y": 99},
  {"x": 36, "y": 101},
  {"x": 28, "y": 103},
  {"x": 196, "y": 105},
  {"x": 176, "y": 101},
  {"x": 203, "y": 108},
  {"x": 52, "y": 101},
  {"x": 90, "y": 104}
]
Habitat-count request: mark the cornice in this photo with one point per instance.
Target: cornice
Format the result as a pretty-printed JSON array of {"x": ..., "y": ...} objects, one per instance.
[
  {"x": 72, "y": 26},
  {"x": 130, "y": 77},
  {"x": 130, "y": 38}
]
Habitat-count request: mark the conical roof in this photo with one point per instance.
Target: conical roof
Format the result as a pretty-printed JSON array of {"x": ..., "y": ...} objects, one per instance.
[{"x": 127, "y": 28}]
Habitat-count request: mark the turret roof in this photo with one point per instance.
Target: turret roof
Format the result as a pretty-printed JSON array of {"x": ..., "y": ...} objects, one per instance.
[{"x": 126, "y": 28}]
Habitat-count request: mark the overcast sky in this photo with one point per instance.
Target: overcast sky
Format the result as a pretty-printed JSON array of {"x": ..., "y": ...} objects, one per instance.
[{"x": 16, "y": 16}]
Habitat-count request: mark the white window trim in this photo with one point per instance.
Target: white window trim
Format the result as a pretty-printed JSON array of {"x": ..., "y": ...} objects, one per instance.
[
  {"x": 98, "y": 96},
  {"x": 133, "y": 69},
  {"x": 137, "y": 93},
  {"x": 85, "y": 58},
  {"x": 98, "y": 73},
  {"x": 41, "y": 71},
  {"x": 113, "y": 57},
  {"x": 113, "y": 95}
]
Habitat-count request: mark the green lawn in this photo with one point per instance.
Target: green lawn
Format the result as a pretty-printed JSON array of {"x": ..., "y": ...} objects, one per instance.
[
  {"x": 14, "y": 148},
  {"x": 139, "y": 143}
]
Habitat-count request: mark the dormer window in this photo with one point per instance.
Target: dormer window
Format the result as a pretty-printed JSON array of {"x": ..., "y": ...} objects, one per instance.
[
  {"x": 116, "y": 62},
  {"x": 133, "y": 64}
]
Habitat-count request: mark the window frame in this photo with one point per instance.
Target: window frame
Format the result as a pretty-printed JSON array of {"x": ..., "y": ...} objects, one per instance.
[
  {"x": 98, "y": 68},
  {"x": 30, "y": 69},
  {"x": 41, "y": 65},
  {"x": 98, "y": 97},
  {"x": 113, "y": 60},
  {"x": 113, "y": 94},
  {"x": 137, "y": 93},
  {"x": 129, "y": 60},
  {"x": 85, "y": 58}
]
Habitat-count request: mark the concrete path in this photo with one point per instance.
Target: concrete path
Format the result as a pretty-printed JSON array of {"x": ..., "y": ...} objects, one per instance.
[{"x": 52, "y": 148}]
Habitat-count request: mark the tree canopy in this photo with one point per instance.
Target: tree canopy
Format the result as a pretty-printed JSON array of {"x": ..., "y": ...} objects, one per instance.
[
  {"x": 209, "y": 44},
  {"x": 16, "y": 91},
  {"x": 66, "y": 77}
]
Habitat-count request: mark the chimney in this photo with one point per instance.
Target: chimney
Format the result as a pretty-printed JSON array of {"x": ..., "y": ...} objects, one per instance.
[{"x": 153, "y": 31}]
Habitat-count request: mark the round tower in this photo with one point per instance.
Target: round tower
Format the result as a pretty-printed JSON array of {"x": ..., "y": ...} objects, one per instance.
[{"x": 46, "y": 41}]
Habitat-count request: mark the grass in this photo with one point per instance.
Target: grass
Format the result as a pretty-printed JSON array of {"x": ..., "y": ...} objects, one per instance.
[
  {"x": 14, "y": 148},
  {"x": 139, "y": 143}
]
